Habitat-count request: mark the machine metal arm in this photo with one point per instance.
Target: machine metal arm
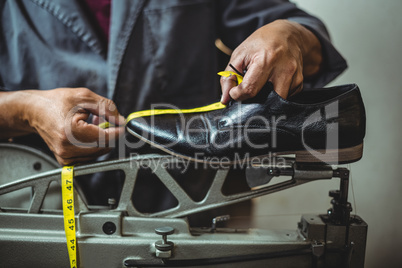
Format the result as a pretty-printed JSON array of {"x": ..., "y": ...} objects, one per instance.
[{"x": 298, "y": 174}]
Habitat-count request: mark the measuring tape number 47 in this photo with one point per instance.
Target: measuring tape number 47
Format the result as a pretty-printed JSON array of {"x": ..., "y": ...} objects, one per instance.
[{"x": 67, "y": 192}]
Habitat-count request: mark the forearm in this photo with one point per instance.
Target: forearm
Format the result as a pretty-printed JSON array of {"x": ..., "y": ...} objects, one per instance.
[{"x": 13, "y": 114}]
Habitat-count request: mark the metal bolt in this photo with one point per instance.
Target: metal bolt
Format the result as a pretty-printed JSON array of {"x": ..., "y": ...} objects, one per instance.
[
  {"x": 112, "y": 203},
  {"x": 109, "y": 228},
  {"x": 163, "y": 248},
  {"x": 37, "y": 166}
]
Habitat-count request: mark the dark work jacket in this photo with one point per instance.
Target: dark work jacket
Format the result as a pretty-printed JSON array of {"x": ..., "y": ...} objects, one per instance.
[{"x": 159, "y": 51}]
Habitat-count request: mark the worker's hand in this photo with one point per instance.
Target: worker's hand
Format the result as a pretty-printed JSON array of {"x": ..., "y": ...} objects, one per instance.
[
  {"x": 60, "y": 116},
  {"x": 281, "y": 52}
]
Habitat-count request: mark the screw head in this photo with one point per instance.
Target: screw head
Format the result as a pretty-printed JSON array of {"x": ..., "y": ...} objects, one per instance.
[
  {"x": 164, "y": 230},
  {"x": 109, "y": 228},
  {"x": 37, "y": 166}
]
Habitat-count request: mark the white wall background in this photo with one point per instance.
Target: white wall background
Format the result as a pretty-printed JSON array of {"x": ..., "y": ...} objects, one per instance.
[{"x": 369, "y": 35}]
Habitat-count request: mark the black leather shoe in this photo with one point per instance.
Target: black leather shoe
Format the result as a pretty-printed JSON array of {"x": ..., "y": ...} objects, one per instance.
[{"x": 317, "y": 125}]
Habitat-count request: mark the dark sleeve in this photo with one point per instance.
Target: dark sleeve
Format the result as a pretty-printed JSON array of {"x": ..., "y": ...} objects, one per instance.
[{"x": 237, "y": 19}]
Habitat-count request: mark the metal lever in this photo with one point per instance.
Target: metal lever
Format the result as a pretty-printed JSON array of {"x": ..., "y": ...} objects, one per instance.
[{"x": 218, "y": 219}]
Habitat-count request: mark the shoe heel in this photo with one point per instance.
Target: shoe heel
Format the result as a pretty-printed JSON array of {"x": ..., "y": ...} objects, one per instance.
[{"x": 331, "y": 156}]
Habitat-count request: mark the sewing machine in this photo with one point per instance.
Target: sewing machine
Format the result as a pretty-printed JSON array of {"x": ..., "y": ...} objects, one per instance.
[{"x": 118, "y": 235}]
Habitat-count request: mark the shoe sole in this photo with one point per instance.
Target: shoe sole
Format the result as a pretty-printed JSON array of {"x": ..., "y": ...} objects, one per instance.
[{"x": 330, "y": 156}]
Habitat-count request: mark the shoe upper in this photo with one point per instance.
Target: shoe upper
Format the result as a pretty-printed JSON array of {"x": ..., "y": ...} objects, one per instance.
[{"x": 315, "y": 119}]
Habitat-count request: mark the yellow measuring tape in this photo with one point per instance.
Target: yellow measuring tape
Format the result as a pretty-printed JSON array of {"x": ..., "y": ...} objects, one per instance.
[
  {"x": 229, "y": 73},
  {"x": 105, "y": 125},
  {"x": 67, "y": 191},
  {"x": 67, "y": 171},
  {"x": 208, "y": 108},
  {"x": 211, "y": 107}
]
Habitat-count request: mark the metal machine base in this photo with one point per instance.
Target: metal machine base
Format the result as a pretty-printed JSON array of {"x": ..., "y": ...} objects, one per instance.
[{"x": 120, "y": 236}]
